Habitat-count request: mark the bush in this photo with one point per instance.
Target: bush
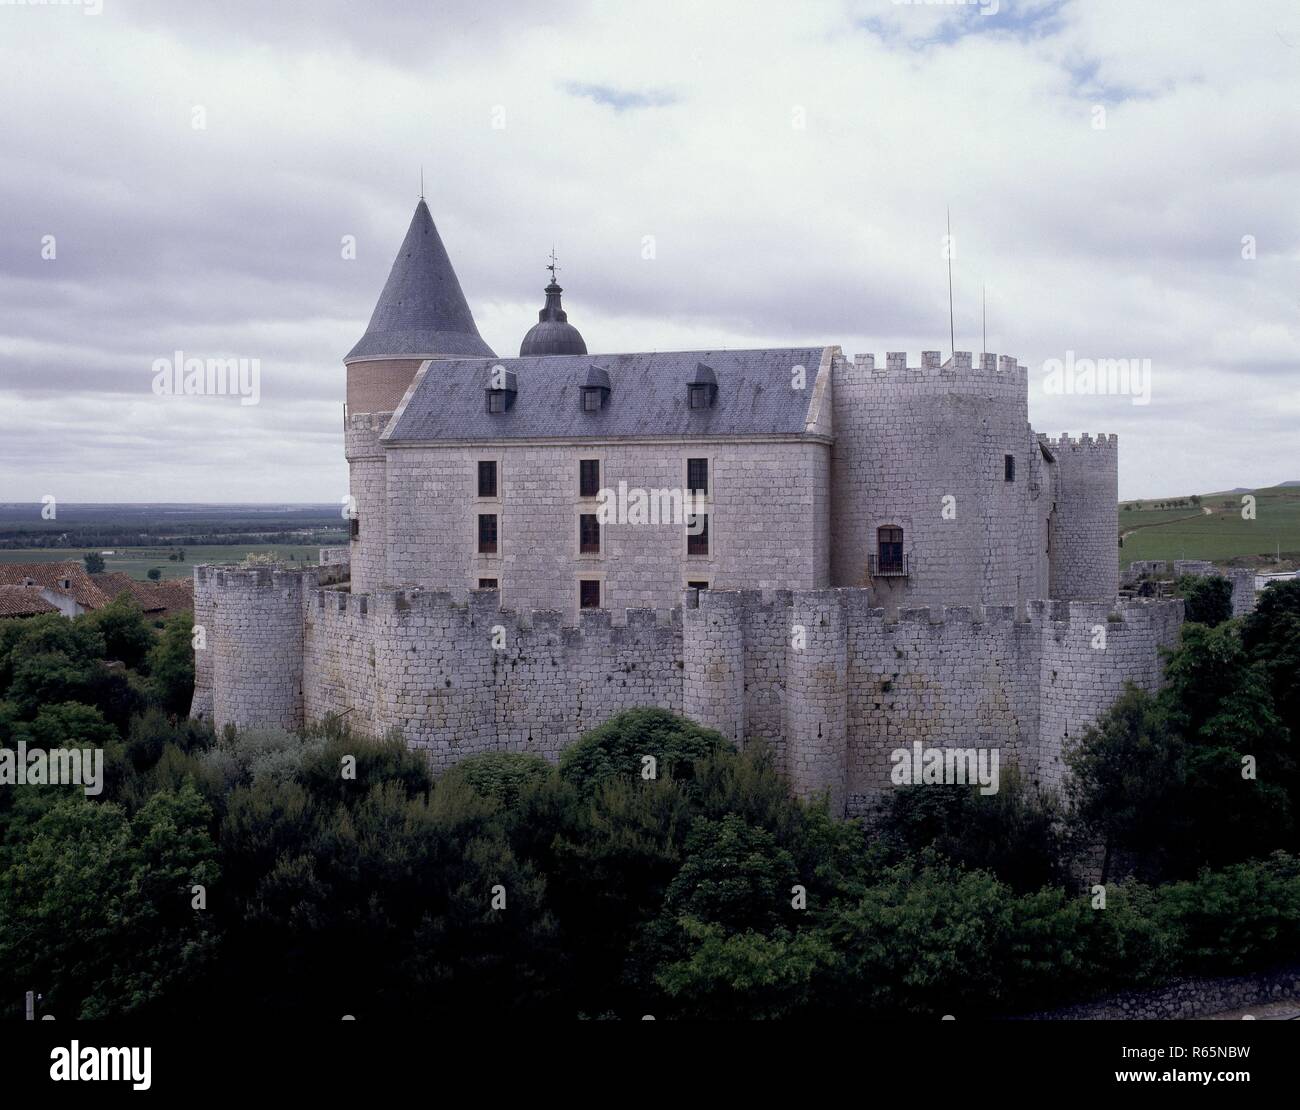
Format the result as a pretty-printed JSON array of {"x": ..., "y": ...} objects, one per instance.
[
  {"x": 1207, "y": 599},
  {"x": 618, "y": 747},
  {"x": 1017, "y": 833},
  {"x": 499, "y": 776}
]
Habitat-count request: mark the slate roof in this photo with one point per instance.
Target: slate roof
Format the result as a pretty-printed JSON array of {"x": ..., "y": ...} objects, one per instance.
[
  {"x": 422, "y": 312},
  {"x": 648, "y": 397}
]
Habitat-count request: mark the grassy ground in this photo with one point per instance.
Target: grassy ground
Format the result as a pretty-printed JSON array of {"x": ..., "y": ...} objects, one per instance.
[
  {"x": 1215, "y": 529},
  {"x": 137, "y": 561}
]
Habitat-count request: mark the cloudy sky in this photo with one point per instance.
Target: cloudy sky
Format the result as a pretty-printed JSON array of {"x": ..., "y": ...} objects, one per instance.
[{"x": 194, "y": 170}]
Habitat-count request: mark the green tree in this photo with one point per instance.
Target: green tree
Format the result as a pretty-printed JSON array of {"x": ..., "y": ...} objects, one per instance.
[
  {"x": 1018, "y": 833},
  {"x": 1124, "y": 772},
  {"x": 171, "y": 664},
  {"x": 127, "y": 638},
  {"x": 618, "y": 748},
  {"x": 98, "y": 906},
  {"x": 1207, "y": 599},
  {"x": 154, "y": 574},
  {"x": 94, "y": 562}
]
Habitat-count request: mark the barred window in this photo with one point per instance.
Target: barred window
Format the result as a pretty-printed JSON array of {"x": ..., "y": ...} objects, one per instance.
[
  {"x": 697, "y": 476},
  {"x": 487, "y": 533},
  {"x": 697, "y": 534}
]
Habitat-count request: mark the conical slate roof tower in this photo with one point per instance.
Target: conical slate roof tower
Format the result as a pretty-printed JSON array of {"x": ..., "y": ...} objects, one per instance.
[{"x": 421, "y": 314}]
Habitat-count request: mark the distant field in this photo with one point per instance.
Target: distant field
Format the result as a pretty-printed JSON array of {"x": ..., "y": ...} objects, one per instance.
[
  {"x": 137, "y": 561},
  {"x": 1221, "y": 534}
]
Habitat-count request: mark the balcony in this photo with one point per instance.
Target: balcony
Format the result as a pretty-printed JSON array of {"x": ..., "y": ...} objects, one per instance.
[{"x": 889, "y": 566}]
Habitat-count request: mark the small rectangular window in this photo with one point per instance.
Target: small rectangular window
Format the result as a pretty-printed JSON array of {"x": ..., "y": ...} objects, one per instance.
[
  {"x": 589, "y": 594},
  {"x": 487, "y": 583},
  {"x": 355, "y": 527},
  {"x": 1009, "y": 467},
  {"x": 487, "y": 478},
  {"x": 699, "y": 395},
  {"x": 588, "y": 533},
  {"x": 487, "y": 533},
  {"x": 697, "y": 585},
  {"x": 697, "y": 537},
  {"x": 496, "y": 401},
  {"x": 591, "y": 400},
  {"x": 697, "y": 476},
  {"x": 588, "y": 477}
]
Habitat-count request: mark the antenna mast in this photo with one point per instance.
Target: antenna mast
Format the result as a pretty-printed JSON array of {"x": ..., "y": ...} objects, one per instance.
[{"x": 952, "y": 341}]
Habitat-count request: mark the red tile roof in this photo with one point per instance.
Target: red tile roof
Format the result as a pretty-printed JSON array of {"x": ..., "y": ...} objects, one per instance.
[
  {"x": 23, "y": 601},
  {"x": 52, "y": 575}
]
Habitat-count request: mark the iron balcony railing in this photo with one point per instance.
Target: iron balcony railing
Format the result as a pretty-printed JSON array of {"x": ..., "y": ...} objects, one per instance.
[{"x": 890, "y": 566}]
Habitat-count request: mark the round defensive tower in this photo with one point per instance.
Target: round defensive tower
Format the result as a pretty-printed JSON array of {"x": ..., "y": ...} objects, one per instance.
[
  {"x": 935, "y": 481},
  {"x": 422, "y": 314}
]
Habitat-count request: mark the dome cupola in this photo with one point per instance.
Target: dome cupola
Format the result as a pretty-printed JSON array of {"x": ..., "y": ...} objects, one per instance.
[{"x": 553, "y": 334}]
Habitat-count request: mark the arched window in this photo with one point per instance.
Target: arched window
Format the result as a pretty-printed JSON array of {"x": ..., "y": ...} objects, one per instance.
[{"x": 890, "y": 559}]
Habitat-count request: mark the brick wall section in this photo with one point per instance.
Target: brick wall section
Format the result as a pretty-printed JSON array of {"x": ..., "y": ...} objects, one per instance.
[{"x": 379, "y": 385}]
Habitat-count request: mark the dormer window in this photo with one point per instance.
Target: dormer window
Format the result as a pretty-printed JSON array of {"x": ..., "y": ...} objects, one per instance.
[
  {"x": 502, "y": 387},
  {"x": 595, "y": 389},
  {"x": 702, "y": 389}
]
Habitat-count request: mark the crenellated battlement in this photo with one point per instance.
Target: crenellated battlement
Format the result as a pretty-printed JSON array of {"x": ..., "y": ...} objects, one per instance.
[
  {"x": 932, "y": 364},
  {"x": 272, "y": 577},
  {"x": 827, "y": 677},
  {"x": 1085, "y": 442}
]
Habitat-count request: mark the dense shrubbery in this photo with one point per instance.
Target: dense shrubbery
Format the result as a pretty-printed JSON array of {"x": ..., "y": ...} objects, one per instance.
[
  {"x": 1205, "y": 772},
  {"x": 340, "y": 878},
  {"x": 1207, "y": 598}
]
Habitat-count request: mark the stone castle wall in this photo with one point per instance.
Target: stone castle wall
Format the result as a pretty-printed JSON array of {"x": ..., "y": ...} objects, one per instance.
[{"x": 831, "y": 682}]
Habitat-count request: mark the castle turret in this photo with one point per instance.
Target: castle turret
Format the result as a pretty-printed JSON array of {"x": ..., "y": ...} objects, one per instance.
[
  {"x": 1084, "y": 553},
  {"x": 422, "y": 314}
]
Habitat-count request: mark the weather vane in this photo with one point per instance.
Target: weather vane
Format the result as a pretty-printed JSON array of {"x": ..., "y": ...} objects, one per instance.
[{"x": 553, "y": 267}]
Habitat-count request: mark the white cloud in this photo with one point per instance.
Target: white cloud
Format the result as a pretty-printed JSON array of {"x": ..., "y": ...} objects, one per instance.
[{"x": 793, "y": 163}]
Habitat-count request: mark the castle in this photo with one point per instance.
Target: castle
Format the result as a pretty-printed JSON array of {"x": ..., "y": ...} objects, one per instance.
[{"x": 835, "y": 556}]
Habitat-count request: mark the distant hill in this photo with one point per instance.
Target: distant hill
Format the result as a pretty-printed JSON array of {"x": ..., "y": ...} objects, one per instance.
[{"x": 1211, "y": 526}]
